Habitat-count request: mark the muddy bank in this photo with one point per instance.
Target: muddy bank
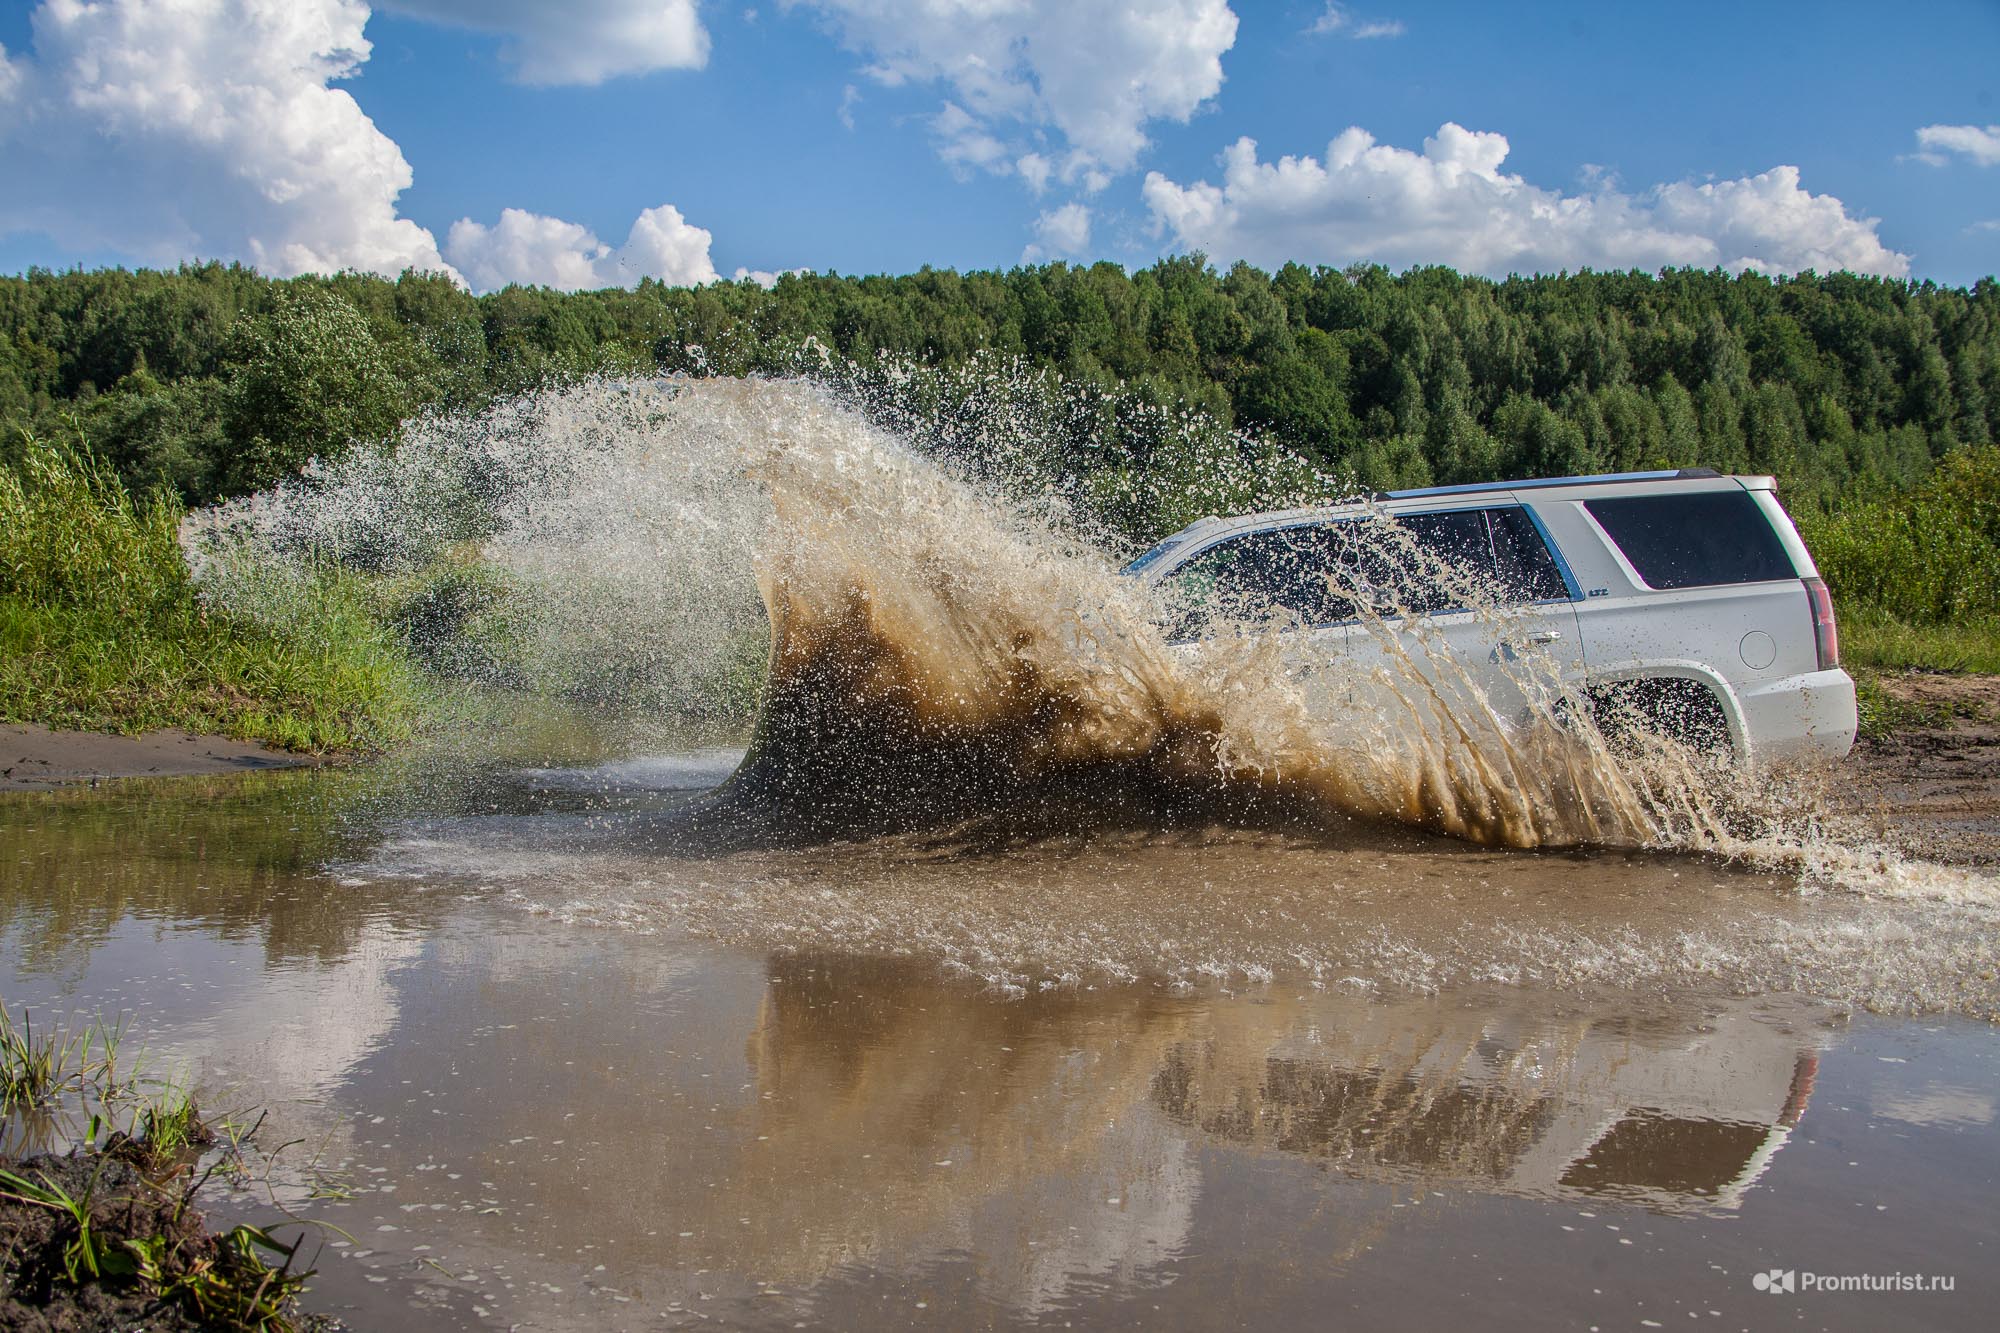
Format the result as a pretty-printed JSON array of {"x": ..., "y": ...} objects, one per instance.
[
  {"x": 1932, "y": 786},
  {"x": 33, "y": 756},
  {"x": 146, "y": 1259}
]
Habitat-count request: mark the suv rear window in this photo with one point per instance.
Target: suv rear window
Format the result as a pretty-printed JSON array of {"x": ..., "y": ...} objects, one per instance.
[{"x": 1694, "y": 540}]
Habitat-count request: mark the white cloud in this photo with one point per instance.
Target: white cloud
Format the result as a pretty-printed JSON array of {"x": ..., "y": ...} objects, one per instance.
[
  {"x": 1339, "y": 19},
  {"x": 764, "y": 278},
  {"x": 964, "y": 142},
  {"x": 1981, "y": 145},
  {"x": 850, "y": 97},
  {"x": 1061, "y": 231},
  {"x": 1035, "y": 171},
  {"x": 581, "y": 41},
  {"x": 170, "y": 130},
  {"x": 538, "y": 251},
  {"x": 175, "y": 129},
  {"x": 1095, "y": 71},
  {"x": 665, "y": 245},
  {"x": 1078, "y": 170},
  {"x": 1451, "y": 204}
]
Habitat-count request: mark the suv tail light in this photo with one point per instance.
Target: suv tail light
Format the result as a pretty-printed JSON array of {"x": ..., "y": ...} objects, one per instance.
[{"x": 1826, "y": 636}]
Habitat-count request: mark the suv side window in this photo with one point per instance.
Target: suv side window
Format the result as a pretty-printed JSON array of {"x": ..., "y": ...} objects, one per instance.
[
  {"x": 1315, "y": 571},
  {"x": 1247, "y": 576},
  {"x": 1522, "y": 564},
  {"x": 1694, "y": 541},
  {"x": 1459, "y": 541},
  {"x": 1498, "y": 552}
]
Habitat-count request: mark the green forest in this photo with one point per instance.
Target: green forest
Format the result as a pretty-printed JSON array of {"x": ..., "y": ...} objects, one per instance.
[
  {"x": 212, "y": 381},
  {"x": 128, "y": 397}
]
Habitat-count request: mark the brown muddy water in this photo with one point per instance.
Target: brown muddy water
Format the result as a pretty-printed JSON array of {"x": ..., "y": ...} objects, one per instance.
[
  {"x": 1037, "y": 968},
  {"x": 545, "y": 1066}
]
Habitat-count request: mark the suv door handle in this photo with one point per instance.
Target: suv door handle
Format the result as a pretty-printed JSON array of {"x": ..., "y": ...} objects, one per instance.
[{"x": 1539, "y": 636}]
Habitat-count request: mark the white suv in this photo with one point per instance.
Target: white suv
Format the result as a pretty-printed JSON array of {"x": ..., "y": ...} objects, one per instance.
[{"x": 1686, "y": 596}]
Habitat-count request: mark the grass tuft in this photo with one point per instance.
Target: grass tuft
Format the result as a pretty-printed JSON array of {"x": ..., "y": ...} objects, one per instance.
[
  {"x": 220, "y": 1282},
  {"x": 121, "y": 1233},
  {"x": 35, "y": 1070},
  {"x": 86, "y": 1255}
]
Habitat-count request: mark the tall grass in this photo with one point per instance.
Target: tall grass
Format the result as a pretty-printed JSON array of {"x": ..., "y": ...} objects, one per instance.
[
  {"x": 101, "y": 626},
  {"x": 1917, "y": 576},
  {"x": 1872, "y": 637}
]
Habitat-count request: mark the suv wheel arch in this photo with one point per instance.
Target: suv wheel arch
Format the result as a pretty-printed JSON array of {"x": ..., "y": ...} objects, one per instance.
[{"x": 1682, "y": 706}]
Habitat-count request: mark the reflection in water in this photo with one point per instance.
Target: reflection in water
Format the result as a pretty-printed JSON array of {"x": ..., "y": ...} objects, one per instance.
[
  {"x": 1673, "y": 1106},
  {"x": 569, "y": 1117},
  {"x": 900, "y": 1118},
  {"x": 236, "y": 857},
  {"x": 1681, "y": 1112},
  {"x": 196, "y": 909}
]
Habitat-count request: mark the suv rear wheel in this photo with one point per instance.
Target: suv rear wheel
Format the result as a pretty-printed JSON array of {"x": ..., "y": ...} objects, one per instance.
[{"x": 1670, "y": 706}]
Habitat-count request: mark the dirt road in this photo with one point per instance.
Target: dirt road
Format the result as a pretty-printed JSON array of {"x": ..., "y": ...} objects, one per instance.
[{"x": 1933, "y": 785}]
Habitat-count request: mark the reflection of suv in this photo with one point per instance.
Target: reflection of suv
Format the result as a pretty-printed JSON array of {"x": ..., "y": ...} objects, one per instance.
[{"x": 1684, "y": 596}]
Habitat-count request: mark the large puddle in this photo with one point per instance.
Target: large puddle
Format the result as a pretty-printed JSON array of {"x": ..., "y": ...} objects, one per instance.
[
  {"x": 547, "y": 1068},
  {"x": 1031, "y": 966}
]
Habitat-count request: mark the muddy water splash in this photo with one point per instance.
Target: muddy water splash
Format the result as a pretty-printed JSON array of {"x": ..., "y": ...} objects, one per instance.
[
  {"x": 938, "y": 650},
  {"x": 936, "y": 653}
]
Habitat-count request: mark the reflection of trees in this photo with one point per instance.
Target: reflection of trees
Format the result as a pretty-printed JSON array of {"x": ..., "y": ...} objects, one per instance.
[
  {"x": 871, "y": 1073},
  {"x": 222, "y": 854}
]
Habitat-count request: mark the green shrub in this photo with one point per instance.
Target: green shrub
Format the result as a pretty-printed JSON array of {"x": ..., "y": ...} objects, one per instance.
[
  {"x": 1929, "y": 557},
  {"x": 1871, "y": 637},
  {"x": 101, "y": 626}
]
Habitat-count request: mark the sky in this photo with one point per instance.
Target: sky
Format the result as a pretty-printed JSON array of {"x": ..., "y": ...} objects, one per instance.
[{"x": 594, "y": 142}]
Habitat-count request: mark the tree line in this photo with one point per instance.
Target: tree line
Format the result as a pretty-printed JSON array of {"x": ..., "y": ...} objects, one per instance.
[{"x": 212, "y": 381}]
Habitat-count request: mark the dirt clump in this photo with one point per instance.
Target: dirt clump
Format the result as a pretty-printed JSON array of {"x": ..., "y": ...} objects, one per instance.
[{"x": 145, "y": 1259}]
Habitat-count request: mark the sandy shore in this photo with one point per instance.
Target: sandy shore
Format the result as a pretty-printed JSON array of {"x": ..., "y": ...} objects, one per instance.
[{"x": 37, "y": 757}]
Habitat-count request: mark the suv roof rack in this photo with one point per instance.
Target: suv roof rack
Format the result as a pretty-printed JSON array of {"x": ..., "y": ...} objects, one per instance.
[{"x": 1467, "y": 488}]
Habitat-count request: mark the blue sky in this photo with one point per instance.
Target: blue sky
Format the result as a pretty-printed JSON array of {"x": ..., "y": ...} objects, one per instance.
[{"x": 517, "y": 141}]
